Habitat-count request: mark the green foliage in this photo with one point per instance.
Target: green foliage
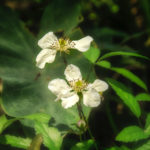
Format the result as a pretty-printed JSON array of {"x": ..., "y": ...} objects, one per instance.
[
  {"x": 64, "y": 19},
  {"x": 51, "y": 136},
  {"x": 104, "y": 63},
  {"x": 124, "y": 93},
  {"x": 118, "y": 148},
  {"x": 143, "y": 97},
  {"x": 131, "y": 134},
  {"x": 25, "y": 86},
  {"x": 14, "y": 141},
  {"x": 87, "y": 145},
  {"x": 4, "y": 123},
  {"x": 92, "y": 54},
  {"x": 124, "y": 72},
  {"x": 41, "y": 117},
  {"x": 145, "y": 146},
  {"x": 147, "y": 125},
  {"x": 122, "y": 53}
]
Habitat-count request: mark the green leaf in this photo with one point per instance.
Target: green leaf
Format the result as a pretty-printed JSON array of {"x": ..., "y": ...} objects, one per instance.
[
  {"x": 147, "y": 125},
  {"x": 15, "y": 141},
  {"x": 104, "y": 63},
  {"x": 51, "y": 136},
  {"x": 87, "y": 145},
  {"x": 118, "y": 148},
  {"x": 130, "y": 76},
  {"x": 131, "y": 134},
  {"x": 36, "y": 142},
  {"x": 147, "y": 121},
  {"x": 143, "y": 97},
  {"x": 122, "y": 53},
  {"x": 64, "y": 19},
  {"x": 41, "y": 117},
  {"x": 125, "y": 95},
  {"x": 4, "y": 123},
  {"x": 124, "y": 72},
  {"x": 92, "y": 54},
  {"x": 145, "y": 146},
  {"x": 26, "y": 86}
]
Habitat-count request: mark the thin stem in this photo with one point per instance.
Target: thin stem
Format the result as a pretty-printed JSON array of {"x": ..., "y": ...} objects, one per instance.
[{"x": 82, "y": 116}]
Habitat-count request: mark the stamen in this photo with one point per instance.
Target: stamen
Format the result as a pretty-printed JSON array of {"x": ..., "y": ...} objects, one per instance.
[{"x": 78, "y": 85}]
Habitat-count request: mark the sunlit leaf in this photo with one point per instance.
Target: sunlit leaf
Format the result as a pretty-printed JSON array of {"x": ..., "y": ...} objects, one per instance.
[
  {"x": 126, "y": 73},
  {"x": 15, "y": 141},
  {"x": 122, "y": 53},
  {"x": 51, "y": 136},
  {"x": 104, "y": 63},
  {"x": 143, "y": 97},
  {"x": 87, "y": 145},
  {"x": 145, "y": 146},
  {"x": 125, "y": 95},
  {"x": 41, "y": 117},
  {"x": 4, "y": 123},
  {"x": 131, "y": 134},
  {"x": 92, "y": 54}
]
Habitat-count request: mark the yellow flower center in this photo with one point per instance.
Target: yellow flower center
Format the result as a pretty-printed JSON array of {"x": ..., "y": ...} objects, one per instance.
[
  {"x": 64, "y": 45},
  {"x": 78, "y": 85}
]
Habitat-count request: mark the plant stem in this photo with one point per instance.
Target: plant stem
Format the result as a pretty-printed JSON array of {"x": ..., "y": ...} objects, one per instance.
[{"x": 82, "y": 116}]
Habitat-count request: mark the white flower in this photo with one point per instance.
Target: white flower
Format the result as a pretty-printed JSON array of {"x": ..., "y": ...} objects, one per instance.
[
  {"x": 68, "y": 92},
  {"x": 50, "y": 44}
]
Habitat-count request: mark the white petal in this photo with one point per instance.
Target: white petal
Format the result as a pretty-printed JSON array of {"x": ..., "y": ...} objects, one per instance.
[
  {"x": 69, "y": 101},
  {"x": 47, "y": 40},
  {"x": 72, "y": 73},
  {"x": 82, "y": 44},
  {"x": 91, "y": 98},
  {"x": 98, "y": 85},
  {"x": 59, "y": 87},
  {"x": 45, "y": 56}
]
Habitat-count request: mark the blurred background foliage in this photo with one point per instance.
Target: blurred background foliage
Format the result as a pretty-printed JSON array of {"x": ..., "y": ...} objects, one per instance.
[{"x": 115, "y": 25}]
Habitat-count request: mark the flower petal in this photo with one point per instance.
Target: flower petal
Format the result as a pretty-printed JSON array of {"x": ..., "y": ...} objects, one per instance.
[
  {"x": 98, "y": 85},
  {"x": 45, "y": 56},
  {"x": 82, "y": 44},
  {"x": 47, "y": 40},
  {"x": 91, "y": 98},
  {"x": 72, "y": 73},
  {"x": 59, "y": 87},
  {"x": 69, "y": 101}
]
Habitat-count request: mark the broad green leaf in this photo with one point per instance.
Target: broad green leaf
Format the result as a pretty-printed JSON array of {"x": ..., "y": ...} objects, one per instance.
[
  {"x": 16, "y": 49},
  {"x": 87, "y": 145},
  {"x": 143, "y": 97},
  {"x": 41, "y": 117},
  {"x": 145, "y": 146},
  {"x": 104, "y": 63},
  {"x": 51, "y": 136},
  {"x": 26, "y": 86},
  {"x": 126, "y": 73},
  {"x": 36, "y": 143},
  {"x": 122, "y": 53},
  {"x": 125, "y": 95},
  {"x": 4, "y": 123},
  {"x": 131, "y": 134},
  {"x": 14, "y": 141},
  {"x": 92, "y": 54},
  {"x": 64, "y": 19}
]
